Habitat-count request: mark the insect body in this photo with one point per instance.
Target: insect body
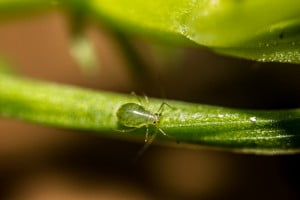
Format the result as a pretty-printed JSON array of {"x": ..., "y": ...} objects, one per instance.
[{"x": 135, "y": 116}]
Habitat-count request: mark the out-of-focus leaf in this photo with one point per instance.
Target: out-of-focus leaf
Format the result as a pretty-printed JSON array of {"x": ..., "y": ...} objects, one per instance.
[
  {"x": 83, "y": 51},
  {"x": 265, "y": 30},
  {"x": 6, "y": 67},
  {"x": 13, "y": 7}
]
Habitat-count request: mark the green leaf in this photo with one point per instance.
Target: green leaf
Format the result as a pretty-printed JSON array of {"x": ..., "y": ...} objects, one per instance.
[
  {"x": 269, "y": 132},
  {"x": 261, "y": 30},
  {"x": 265, "y": 30}
]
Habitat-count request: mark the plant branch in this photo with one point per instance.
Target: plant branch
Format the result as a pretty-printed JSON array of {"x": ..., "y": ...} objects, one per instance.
[{"x": 82, "y": 109}]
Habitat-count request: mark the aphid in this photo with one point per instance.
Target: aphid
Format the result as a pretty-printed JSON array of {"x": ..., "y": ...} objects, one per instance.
[{"x": 135, "y": 116}]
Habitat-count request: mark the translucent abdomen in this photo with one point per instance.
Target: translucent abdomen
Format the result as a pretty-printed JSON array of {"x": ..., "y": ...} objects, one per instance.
[{"x": 134, "y": 115}]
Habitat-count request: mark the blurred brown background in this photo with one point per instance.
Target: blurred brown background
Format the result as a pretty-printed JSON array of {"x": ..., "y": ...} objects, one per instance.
[{"x": 41, "y": 163}]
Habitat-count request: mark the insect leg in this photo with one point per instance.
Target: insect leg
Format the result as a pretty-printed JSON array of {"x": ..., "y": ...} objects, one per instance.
[
  {"x": 147, "y": 134},
  {"x": 164, "y": 133},
  {"x": 144, "y": 148},
  {"x": 162, "y": 107}
]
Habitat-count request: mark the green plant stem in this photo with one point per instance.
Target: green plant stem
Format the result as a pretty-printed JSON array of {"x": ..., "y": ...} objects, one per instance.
[{"x": 82, "y": 109}]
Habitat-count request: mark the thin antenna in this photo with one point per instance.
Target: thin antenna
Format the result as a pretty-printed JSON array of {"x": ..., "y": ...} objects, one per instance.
[
  {"x": 137, "y": 97},
  {"x": 146, "y": 99}
]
